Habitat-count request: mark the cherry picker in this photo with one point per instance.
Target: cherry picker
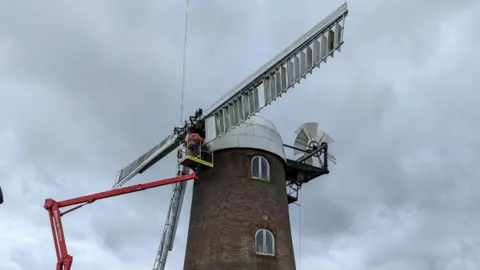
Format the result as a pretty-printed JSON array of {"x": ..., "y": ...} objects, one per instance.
[{"x": 64, "y": 260}]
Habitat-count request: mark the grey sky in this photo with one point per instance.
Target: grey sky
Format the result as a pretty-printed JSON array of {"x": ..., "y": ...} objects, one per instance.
[{"x": 87, "y": 86}]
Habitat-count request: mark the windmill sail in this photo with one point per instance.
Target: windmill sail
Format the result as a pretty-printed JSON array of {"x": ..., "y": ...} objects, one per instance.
[
  {"x": 278, "y": 75},
  {"x": 259, "y": 89},
  {"x": 146, "y": 160}
]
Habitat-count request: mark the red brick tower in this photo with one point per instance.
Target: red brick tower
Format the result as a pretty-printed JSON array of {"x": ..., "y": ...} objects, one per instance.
[{"x": 239, "y": 216}]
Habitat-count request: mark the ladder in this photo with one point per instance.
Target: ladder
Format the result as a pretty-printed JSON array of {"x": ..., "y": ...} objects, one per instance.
[{"x": 168, "y": 236}]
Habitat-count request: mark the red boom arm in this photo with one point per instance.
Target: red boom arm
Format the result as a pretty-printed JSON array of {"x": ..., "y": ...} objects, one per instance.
[{"x": 64, "y": 260}]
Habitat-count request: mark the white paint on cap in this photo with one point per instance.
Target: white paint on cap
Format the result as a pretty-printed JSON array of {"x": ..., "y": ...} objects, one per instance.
[{"x": 257, "y": 133}]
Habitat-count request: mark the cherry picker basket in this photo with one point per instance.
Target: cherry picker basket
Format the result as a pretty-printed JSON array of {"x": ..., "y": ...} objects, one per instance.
[{"x": 195, "y": 156}]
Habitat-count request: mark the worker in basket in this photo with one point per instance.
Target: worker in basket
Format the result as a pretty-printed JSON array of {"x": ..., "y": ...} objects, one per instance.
[{"x": 194, "y": 143}]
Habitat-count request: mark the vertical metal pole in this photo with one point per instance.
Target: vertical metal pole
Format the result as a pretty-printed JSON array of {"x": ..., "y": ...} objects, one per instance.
[
  {"x": 59, "y": 231},
  {"x": 325, "y": 155},
  {"x": 200, "y": 151},
  {"x": 54, "y": 233}
]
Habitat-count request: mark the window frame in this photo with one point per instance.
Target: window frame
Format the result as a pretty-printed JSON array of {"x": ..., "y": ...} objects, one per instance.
[
  {"x": 258, "y": 163},
  {"x": 265, "y": 233}
]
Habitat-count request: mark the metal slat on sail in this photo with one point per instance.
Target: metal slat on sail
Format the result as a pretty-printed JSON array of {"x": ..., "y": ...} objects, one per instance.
[
  {"x": 241, "y": 106},
  {"x": 230, "y": 116},
  {"x": 331, "y": 42},
  {"x": 283, "y": 71},
  {"x": 266, "y": 90},
  {"x": 278, "y": 83},
  {"x": 316, "y": 53},
  {"x": 237, "y": 110},
  {"x": 246, "y": 106},
  {"x": 303, "y": 64},
  {"x": 221, "y": 120},
  {"x": 290, "y": 72},
  {"x": 296, "y": 63},
  {"x": 338, "y": 35},
  {"x": 273, "y": 87},
  {"x": 226, "y": 117},
  {"x": 218, "y": 127},
  {"x": 257, "y": 101},
  {"x": 231, "y": 112},
  {"x": 309, "y": 59},
  {"x": 251, "y": 102},
  {"x": 323, "y": 48}
]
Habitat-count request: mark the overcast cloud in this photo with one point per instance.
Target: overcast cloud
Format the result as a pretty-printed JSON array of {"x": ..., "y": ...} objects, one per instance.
[{"x": 87, "y": 86}]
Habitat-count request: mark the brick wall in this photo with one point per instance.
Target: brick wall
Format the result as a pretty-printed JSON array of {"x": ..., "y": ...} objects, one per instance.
[{"x": 228, "y": 207}]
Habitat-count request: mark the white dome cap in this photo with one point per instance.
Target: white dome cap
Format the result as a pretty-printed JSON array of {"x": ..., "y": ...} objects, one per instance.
[{"x": 257, "y": 133}]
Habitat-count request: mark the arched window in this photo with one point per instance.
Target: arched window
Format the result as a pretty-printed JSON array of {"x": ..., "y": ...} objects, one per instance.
[
  {"x": 260, "y": 168},
  {"x": 264, "y": 242}
]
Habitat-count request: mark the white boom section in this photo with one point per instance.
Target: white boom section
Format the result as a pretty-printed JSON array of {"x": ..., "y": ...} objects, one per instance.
[
  {"x": 171, "y": 224},
  {"x": 260, "y": 89}
]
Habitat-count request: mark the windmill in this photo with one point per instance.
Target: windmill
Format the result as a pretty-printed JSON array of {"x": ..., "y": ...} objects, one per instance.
[{"x": 239, "y": 105}]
